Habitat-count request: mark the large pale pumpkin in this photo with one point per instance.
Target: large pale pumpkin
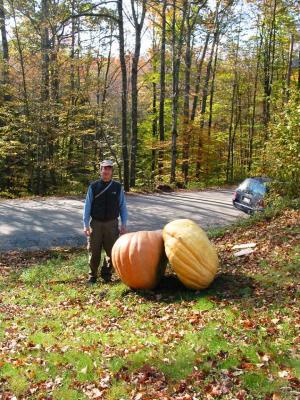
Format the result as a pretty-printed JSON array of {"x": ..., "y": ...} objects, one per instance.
[
  {"x": 192, "y": 256},
  {"x": 139, "y": 259}
]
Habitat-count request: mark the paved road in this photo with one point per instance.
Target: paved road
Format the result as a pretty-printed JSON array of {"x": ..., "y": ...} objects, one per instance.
[{"x": 42, "y": 223}]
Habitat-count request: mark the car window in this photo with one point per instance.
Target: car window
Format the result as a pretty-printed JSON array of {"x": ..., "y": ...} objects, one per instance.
[
  {"x": 253, "y": 186},
  {"x": 258, "y": 187},
  {"x": 245, "y": 185}
]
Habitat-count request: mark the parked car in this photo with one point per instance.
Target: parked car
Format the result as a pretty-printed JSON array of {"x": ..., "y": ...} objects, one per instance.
[{"x": 249, "y": 196}]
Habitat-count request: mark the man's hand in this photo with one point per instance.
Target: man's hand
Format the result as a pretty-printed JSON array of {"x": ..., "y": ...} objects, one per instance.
[
  {"x": 123, "y": 229},
  {"x": 87, "y": 231}
]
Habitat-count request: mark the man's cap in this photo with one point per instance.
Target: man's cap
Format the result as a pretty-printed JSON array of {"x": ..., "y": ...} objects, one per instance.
[{"x": 106, "y": 163}]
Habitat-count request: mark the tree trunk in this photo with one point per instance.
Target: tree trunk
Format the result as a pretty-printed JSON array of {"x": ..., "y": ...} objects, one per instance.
[
  {"x": 232, "y": 128},
  {"x": 138, "y": 26},
  {"x": 192, "y": 15},
  {"x": 154, "y": 129},
  {"x": 230, "y": 146},
  {"x": 45, "y": 93},
  {"x": 161, "y": 117},
  {"x": 198, "y": 78},
  {"x": 176, "y": 56},
  {"x": 203, "y": 105},
  {"x": 298, "y": 83},
  {"x": 252, "y": 126},
  {"x": 269, "y": 54},
  {"x": 186, "y": 104},
  {"x": 45, "y": 48},
  {"x": 72, "y": 55},
  {"x": 54, "y": 120},
  {"x": 77, "y": 56},
  {"x": 212, "y": 90},
  {"x": 154, "y": 109},
  {"x": 5, "y": 72},
  {"x": 54, "y": 70},
  {"x": 21, "y": 59},
  {"x": 289, "y": 71},
  {"x": 124, "y": 96}
]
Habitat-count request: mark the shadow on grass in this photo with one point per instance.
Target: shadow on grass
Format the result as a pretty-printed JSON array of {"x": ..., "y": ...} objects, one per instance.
[
  {"x": 232, "y": 286},
  {"x": 238, "y": 288},
  {"x": 225, "y": 286}
]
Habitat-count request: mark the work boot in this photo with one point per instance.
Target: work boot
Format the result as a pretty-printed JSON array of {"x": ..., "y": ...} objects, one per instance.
[
  {"x": 106, "y": 271},
  {"x": 92, "y": 280}
]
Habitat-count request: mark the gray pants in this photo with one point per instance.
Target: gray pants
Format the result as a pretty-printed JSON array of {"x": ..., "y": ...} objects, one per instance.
[{"x": 103, "y": 234}]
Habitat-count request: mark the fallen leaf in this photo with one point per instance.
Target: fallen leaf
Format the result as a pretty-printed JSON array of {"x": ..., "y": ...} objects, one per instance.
[
  {"x": 84, "y": 370},
  {"x": 276, "y": 396},
  {"x": 265, "y": 358},
  {"x": 241, "y": 394},
  {"x": 96, "y": 393},
  {"x": 243, "y": 252},
  {"x": 283, "y": 374}
]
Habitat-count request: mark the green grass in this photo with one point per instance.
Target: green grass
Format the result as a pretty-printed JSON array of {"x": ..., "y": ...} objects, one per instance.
[
  {"x": 259, "y": 383},
  {"x": 118, "y": 391},
  {"x": 67, "y": 394},
  {"x": 55, "y": 329}
]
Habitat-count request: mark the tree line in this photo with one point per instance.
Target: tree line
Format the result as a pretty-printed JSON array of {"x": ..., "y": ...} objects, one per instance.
[{"x": 188, "y": 93}]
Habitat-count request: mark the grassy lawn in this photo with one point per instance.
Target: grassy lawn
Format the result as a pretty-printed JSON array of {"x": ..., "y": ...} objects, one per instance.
[{"x": 61, "y": 339}]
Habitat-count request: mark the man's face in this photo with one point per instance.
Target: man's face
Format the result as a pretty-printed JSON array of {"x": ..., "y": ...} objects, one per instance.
[{"x": 106, "y": 173}]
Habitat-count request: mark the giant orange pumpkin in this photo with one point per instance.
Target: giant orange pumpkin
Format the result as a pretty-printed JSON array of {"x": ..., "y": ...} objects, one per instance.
[{"x": 139, "y": 259}]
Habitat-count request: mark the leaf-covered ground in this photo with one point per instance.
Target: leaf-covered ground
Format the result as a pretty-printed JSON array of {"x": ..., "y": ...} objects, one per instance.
[{"x": 61, "y": 339}]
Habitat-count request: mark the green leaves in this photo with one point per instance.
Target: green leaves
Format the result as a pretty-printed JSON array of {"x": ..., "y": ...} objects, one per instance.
[{"x": 283, "y": 148}]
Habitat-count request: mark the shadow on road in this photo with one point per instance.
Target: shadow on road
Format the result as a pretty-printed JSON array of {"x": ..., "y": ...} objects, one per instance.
[{"x": 41, "y": 224}]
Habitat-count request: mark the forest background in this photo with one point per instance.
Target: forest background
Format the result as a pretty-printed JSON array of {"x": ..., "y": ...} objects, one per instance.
[{"x": 179, "y": 92}]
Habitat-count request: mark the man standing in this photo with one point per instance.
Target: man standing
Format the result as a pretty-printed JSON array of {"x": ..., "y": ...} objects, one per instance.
[{"x": 105, "y": 201}]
